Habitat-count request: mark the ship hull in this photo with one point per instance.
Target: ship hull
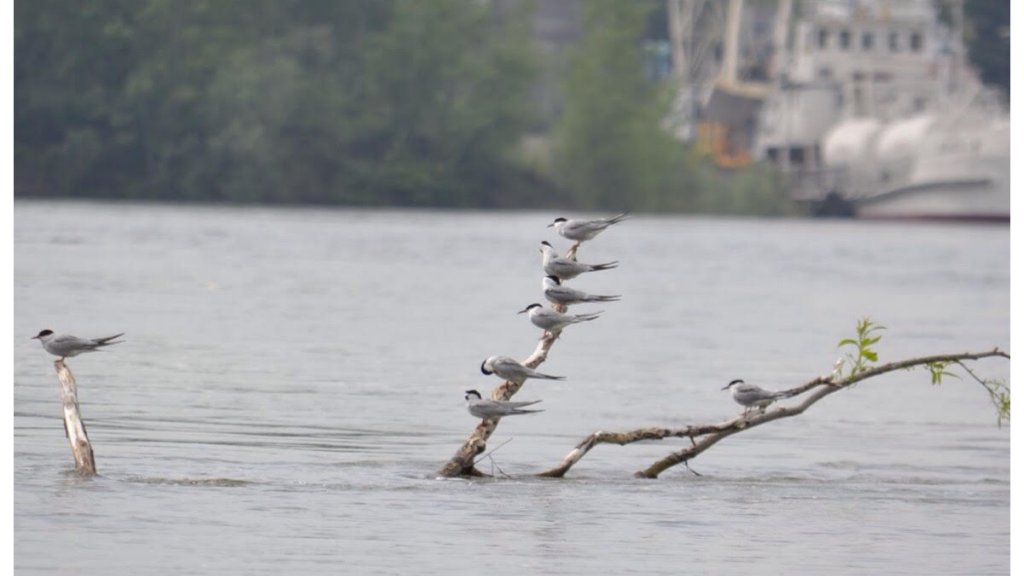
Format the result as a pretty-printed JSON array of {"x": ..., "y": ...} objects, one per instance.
[{"x": 978, "y": 200}]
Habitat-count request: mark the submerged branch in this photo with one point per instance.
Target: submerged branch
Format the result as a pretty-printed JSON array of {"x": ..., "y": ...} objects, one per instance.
[
  {"x": 693, "y": 432},
  {"x": 74, "y": 427},
  {"x": 705, "y": 436},
  {"x": 623, "y": 438},
  {"x": 463, "y": 462}
]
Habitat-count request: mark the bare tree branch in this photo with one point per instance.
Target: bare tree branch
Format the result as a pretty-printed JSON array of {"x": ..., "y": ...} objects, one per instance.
[
  {"x": 705, "y": 436},
  {"x": 998, "y": 393},
  {"x": 74, "y": 427},
  {"x": 463, "y": 462}
]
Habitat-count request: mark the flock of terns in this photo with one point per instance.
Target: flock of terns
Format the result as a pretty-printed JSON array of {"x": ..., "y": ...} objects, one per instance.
[{"x": 558, "y": 269}]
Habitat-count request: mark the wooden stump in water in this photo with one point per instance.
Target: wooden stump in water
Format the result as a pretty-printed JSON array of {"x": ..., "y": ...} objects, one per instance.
[{"x": 74, "y": 428}]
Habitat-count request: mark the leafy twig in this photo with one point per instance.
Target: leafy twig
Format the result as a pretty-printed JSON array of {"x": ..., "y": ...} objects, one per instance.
[
  {"x": 998, "y": 393},
  {"x": 864, "y": 345}
]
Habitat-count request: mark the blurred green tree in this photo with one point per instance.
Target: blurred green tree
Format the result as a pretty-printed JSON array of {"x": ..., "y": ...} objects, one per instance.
[
  {"x": 358, "y": 102},
  {"x": 445, "y": 104},
  {"x": 611, "y": 150},
  {"x": 988, "y": 40}
]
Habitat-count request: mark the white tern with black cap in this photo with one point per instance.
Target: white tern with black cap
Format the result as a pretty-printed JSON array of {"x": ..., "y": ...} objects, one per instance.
[{"x": 67, "y": 346}]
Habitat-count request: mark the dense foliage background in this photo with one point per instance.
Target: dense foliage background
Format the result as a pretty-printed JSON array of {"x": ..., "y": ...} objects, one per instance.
[
  {"x": 356, "y": 102},
  {"x": 988, "y": 40}
]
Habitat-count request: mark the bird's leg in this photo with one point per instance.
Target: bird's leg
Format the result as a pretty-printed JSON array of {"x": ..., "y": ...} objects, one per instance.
[{"x": 571, "y": 253}]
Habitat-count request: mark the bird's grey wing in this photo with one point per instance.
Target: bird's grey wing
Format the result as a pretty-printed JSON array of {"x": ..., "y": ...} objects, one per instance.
[
  {"x": 534, "y": 374},
  {"x": 752, "y": 393},
  {"x": 515, "y": 405},
  {"x": 555, "y": 297},
  {"x": 564, "y": 293},
  {"x": 564, "y": 265},
  {"x": 107, "y": 340},
  {"x": 503, "y": 361},
  {"x": 545, "y": 323},
  {"x": 492, "y": 409},
  {"x": 69, "y": 342},
  {"x": 487, "y": 409},
  {"x": 589, "y": 226},
  {"x": 505, "y": 366},
  {"x": 548, "y": 315},
  {"x": 745, "y": 392}
]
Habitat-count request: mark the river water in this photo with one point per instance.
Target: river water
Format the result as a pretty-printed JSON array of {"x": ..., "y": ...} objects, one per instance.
[{"x": 291, "y": 380}]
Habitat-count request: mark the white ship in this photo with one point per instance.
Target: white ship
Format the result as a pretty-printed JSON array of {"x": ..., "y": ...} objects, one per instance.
[
  {"x": 864, "y": 106},
  {"x": 873, "y": 104}
]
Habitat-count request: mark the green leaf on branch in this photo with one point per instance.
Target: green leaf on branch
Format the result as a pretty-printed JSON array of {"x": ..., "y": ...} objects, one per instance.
[
  {"x": 863, "y": 353},
  {"x": 998, "y": 391},
  {"x": 938, "y": 372}
]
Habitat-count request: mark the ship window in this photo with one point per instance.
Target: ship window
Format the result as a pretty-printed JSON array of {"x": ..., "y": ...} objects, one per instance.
[
  {"x": 867, "y": 41},
  {"x": 844, "y": 40},
  {"x": 822, "y": 38},
  {"x": 796, "y": 156},
  {"x": 894, "y": 41},
  {"x": 916, "y": 42}
]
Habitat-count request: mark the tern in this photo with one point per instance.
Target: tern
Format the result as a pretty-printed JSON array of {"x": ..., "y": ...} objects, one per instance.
[
  {"x": 558, "y": 294},
  {"x": 481, "y": 408},
  {"x": 551, "y": 320},
  {"x": 566, "y": 269},
  {"x": 751, "y": 396},
  {"x": 580, "y": 230},
  {"x": 509, "y": 369},
  {"x": 66, "y": 346}
]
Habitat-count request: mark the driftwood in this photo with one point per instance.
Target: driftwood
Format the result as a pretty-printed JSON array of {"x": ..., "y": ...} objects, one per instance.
[
  {"x": 462, "y": 463},
  {"x": 74, "y": 427},
  {"x": 705, "y": 436}
]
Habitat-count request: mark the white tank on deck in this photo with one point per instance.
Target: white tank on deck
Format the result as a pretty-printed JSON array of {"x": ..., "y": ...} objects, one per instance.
[
  {"x": 901, "y": 139},
  {"x": 850, "y": 147},
  {"x": 898, "y": 145}
]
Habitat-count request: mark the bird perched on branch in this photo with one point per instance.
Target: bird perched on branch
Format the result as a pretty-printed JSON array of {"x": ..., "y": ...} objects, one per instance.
[
  {"x": 553, "y": 321},
  {"x": 558, "y": 294},
  {"x": 580, "y": 230},
  {"x": 566, "y": 269},
  {"x": 752, "y": 396},
  {"x": 67, "y": 346},
  {"x": 510, "y": 369},
  {"x": 481, "y": 408}
]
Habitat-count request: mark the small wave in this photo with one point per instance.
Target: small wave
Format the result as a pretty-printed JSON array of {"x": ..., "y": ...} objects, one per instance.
[{"x": 214, "y": 482}]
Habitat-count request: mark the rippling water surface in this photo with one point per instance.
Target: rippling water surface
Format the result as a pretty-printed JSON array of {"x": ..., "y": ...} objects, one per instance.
[{"x": 291, "y": 380}]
